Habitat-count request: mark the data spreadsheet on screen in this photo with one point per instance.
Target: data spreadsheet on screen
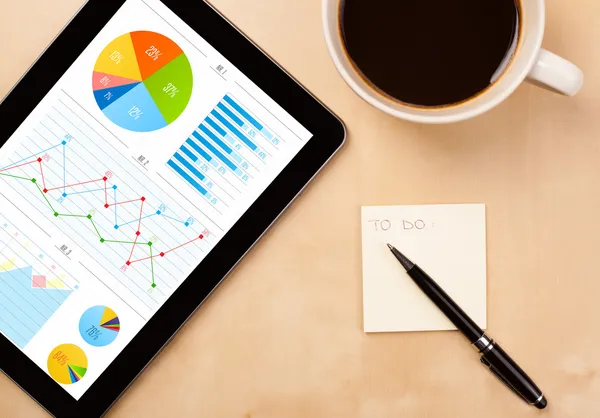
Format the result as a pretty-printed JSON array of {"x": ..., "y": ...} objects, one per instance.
[{"x": 125, "y": 176}]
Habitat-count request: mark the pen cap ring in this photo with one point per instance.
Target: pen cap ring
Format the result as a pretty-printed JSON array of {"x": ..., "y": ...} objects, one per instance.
[{"x": 483, "y": 343}]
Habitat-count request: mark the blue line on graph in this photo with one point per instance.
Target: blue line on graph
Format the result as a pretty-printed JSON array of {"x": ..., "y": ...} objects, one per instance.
[
  {"x": 31, "y": 156},
  {"x": 65, "y": 172},
  {"x": 64, "y": 144},
  {"x": 116, "y": 222},
  {"x": 85, "y": 191},
  {"x": 173, "y": 219},
  {"x": 63, "y": 194},
  {"x": 138, "y": 219},
  {"x": 82, "y": 210}
]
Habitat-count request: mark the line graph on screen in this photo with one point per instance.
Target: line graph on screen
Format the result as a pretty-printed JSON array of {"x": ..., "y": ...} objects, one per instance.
[{"x": 70, "y": 175}]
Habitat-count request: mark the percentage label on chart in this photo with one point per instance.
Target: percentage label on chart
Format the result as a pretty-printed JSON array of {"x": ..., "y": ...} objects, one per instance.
[
  {"x": 60, "y": 358},
  {"x": 154, "y": 53},
  {"x": 116, "y": 57},
  {"x": 171, "y": 90},
  {"x": 105, "y": 81},
  {"x": 135, "y": 112},
  {"x": 93, "y": 332}
]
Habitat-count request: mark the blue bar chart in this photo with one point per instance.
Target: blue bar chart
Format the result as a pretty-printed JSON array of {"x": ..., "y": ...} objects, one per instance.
[{"x": 225, "y": 153}]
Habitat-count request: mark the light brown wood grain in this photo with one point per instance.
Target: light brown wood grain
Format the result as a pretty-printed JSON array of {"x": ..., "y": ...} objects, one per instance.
[{"x": 282, "y": 338}]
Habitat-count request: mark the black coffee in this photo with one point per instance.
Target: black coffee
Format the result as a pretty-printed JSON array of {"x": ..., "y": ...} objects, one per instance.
[{"x": 430, "y": 52}]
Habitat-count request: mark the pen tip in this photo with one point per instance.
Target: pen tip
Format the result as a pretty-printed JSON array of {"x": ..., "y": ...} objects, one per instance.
[
  {"x": 406, "y": 263},
  {"x": 542, "y": 403}
]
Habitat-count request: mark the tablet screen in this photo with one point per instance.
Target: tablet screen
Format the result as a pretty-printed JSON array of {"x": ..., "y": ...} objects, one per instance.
[{"x": 125, "y": 176}]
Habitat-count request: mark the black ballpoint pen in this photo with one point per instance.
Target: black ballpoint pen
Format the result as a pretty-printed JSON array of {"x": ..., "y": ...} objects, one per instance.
[{"x": 492, "y": 355}]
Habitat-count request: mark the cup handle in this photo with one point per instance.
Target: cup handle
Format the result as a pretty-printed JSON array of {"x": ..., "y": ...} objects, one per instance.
[{"x": 556, "y": 74}]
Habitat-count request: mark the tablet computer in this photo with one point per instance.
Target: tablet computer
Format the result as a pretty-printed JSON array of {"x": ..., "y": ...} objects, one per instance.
[{"x": 143, "y": 154}]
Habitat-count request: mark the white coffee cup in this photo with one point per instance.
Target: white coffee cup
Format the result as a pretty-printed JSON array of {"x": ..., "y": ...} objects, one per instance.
[{"x": 530, "y": 63}]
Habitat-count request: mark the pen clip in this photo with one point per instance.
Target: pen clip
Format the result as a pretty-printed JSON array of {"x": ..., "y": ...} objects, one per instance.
[{"x": 501, "y": 378}]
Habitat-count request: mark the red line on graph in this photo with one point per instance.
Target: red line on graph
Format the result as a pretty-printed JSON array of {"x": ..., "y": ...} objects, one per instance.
[
  {"x": 76, "y": 184},
  {"x": 132, "y": 248},
  {"x": 144, "y": 259},
  {"x": 162, "y": 254},
  {"x": 105, "y": 180},
  {"x": 143, "y": 199},
  {"x": 122, "y": 203},
  {"x": 42, "y": 173},
  {"x": 176, "y": 248},
  {"x": 17, "y": 166},
  {"x": 141, "y": 259},
  {"x": 105, "y": 192}
]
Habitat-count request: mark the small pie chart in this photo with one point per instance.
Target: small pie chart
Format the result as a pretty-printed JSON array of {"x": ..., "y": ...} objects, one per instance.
[
  {"x": 67, "y": 364},
  {"x": 99, "y": 326},
  {"x": 142, "y": 81}
]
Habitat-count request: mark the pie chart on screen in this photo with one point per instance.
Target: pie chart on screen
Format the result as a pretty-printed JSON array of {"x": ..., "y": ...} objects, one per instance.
[
  {"x": 67, "y": 364},
  {"x": 99, "y": 326},
  {"x": 142, "y": 81}
]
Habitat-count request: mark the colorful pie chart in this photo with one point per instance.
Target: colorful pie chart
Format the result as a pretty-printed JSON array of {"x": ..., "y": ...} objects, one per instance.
[
  {"x": 142, "y": 81},
  {"x": 67, "y": 364},
  {"x": 99, "y": 326}
]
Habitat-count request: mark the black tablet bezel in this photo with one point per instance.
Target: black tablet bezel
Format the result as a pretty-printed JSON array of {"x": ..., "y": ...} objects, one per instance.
[{"x": 329, "y": 136}]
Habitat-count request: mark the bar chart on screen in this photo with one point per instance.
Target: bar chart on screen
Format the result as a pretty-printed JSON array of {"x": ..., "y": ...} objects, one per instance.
[
  {"x": 33, "y": 284},
  {"x": 136, "y": 238},
  {"x": 226, "y": 153}
]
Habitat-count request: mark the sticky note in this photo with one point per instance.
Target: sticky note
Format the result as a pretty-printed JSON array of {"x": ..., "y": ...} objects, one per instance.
[{"x": 447, "y": 241}]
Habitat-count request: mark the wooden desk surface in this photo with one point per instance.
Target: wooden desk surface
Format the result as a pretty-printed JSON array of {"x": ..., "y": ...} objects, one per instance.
[{"x": 282, "y": 338}]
